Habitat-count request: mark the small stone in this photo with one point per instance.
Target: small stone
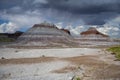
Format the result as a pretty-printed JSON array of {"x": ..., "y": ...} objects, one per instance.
[
  {"x": 2, "y": 58},
  {"x": 113, "y": 53},
  {"x": 43, "y": 55},
  {"x": 16, "y": 51}
]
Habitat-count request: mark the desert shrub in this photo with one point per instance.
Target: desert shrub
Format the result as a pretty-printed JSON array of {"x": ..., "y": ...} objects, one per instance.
[
  {"x": 116, "y": 51},
  {"x": 6, "y": 39},
  {"x": 77, "y": 78}
]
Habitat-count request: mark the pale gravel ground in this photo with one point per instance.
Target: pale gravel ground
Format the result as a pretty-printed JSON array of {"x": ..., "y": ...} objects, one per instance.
[
  {"x": 39, "y": 71},
  {"x": 32, "y": 53},
  {"x": 43, "y": 71}
]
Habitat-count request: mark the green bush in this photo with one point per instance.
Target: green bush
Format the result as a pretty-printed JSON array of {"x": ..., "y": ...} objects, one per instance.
[
  {"x": 116, "y": 51},
  {"x": 77, "y": 78},
  {"x": 6, "y": 39}
]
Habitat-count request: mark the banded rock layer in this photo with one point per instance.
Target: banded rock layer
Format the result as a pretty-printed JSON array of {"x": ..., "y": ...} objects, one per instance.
[
  {"x": 93, "y": 34},
  {"x": 44, "y": 34}
]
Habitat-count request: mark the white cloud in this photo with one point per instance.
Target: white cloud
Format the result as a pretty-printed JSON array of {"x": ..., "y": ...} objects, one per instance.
[
  {"x": 116, "y": 29},
  {"x": 2, "y": 28},
  {"x": 111, "y": 27},
  {"x": 75, "y": 31},
  {"x": 116, "y": 20},
  {"x": 109, "y": 30},
  {"x": 28, "y": 19},
  {"x": 104, "y": 30},
  {"x": 115, "y": 33},
  {"x": 59, "y": 25},
  {"x": 69, "y": 27},
  {"x": 8, "y": 27}
]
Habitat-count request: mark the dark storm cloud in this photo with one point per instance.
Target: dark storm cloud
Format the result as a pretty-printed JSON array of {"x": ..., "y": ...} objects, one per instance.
[
  {"x": 95, "y": 12},
  {"x": 23, "y": 13},
  {"x": 90, "y": 11},
  {"x": 85, "y": 6},
  {"x": 72, "y": 6},
  {"x": 98, "y": 19},
  {"x": 6, "y": 4}
]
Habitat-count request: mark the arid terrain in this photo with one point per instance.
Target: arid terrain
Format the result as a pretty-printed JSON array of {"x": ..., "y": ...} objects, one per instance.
[
  {"x": 45, "y": 52},
  {"x": 59, "y": 39},
  {"x": 58, "y": 64}
]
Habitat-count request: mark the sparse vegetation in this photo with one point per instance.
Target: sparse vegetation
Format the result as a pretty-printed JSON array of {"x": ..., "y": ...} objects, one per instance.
[
  {"x": 116, "y": 51},
  {"x": 77, "y": 78},
  {"x": 6, "y": 39}
]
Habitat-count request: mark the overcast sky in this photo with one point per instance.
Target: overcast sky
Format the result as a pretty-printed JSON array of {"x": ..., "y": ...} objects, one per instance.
[{"x": 75, "y": 15}]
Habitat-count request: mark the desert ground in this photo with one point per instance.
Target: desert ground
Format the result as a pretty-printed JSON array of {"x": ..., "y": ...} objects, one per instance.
[{"x": 58, "y": 64}]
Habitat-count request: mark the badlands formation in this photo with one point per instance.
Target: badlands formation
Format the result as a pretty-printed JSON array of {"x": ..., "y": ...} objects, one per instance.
[
  {"x": 93, "y": 34},
  {"x": 93, "y": 38},
  {"x": 62, "y": 60},
  {"x": 46, "y": 35}
]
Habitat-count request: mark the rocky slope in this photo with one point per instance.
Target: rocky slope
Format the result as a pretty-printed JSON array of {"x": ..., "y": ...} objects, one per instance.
[{"x": 45, "y": 34}]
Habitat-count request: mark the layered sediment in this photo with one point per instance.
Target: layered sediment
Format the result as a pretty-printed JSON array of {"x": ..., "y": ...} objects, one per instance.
[{"x": 45, "y": 34}]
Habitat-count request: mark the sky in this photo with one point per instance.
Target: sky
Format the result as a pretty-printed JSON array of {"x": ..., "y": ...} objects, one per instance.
[{"x": 75, "y": 15}]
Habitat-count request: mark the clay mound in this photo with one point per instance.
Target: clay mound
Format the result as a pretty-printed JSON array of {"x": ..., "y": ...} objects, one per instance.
[
  {"x": 92, "y": 34},
  {"x": 93, "y": 31},
  {"x": 45, "y": 34}
]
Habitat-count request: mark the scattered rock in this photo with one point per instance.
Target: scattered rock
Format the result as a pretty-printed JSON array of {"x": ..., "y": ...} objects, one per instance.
[
  {"x": 16, "y": 51},
  {"x": 6, "y": 75},
  {"x": 43, "y": 55},
  {"x": 113, "y": 53},
  {"x": 2, "y": 58}
]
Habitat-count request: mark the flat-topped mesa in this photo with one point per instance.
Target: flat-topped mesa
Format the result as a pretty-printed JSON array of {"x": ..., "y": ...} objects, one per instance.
[{"x": 48, "y": 25}]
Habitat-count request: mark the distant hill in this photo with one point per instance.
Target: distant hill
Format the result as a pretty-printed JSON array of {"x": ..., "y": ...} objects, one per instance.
[
  {"x": 93, "y": 34},
  {"x": 93, "y": 31},
  {"x": 8, "y": 37}
]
